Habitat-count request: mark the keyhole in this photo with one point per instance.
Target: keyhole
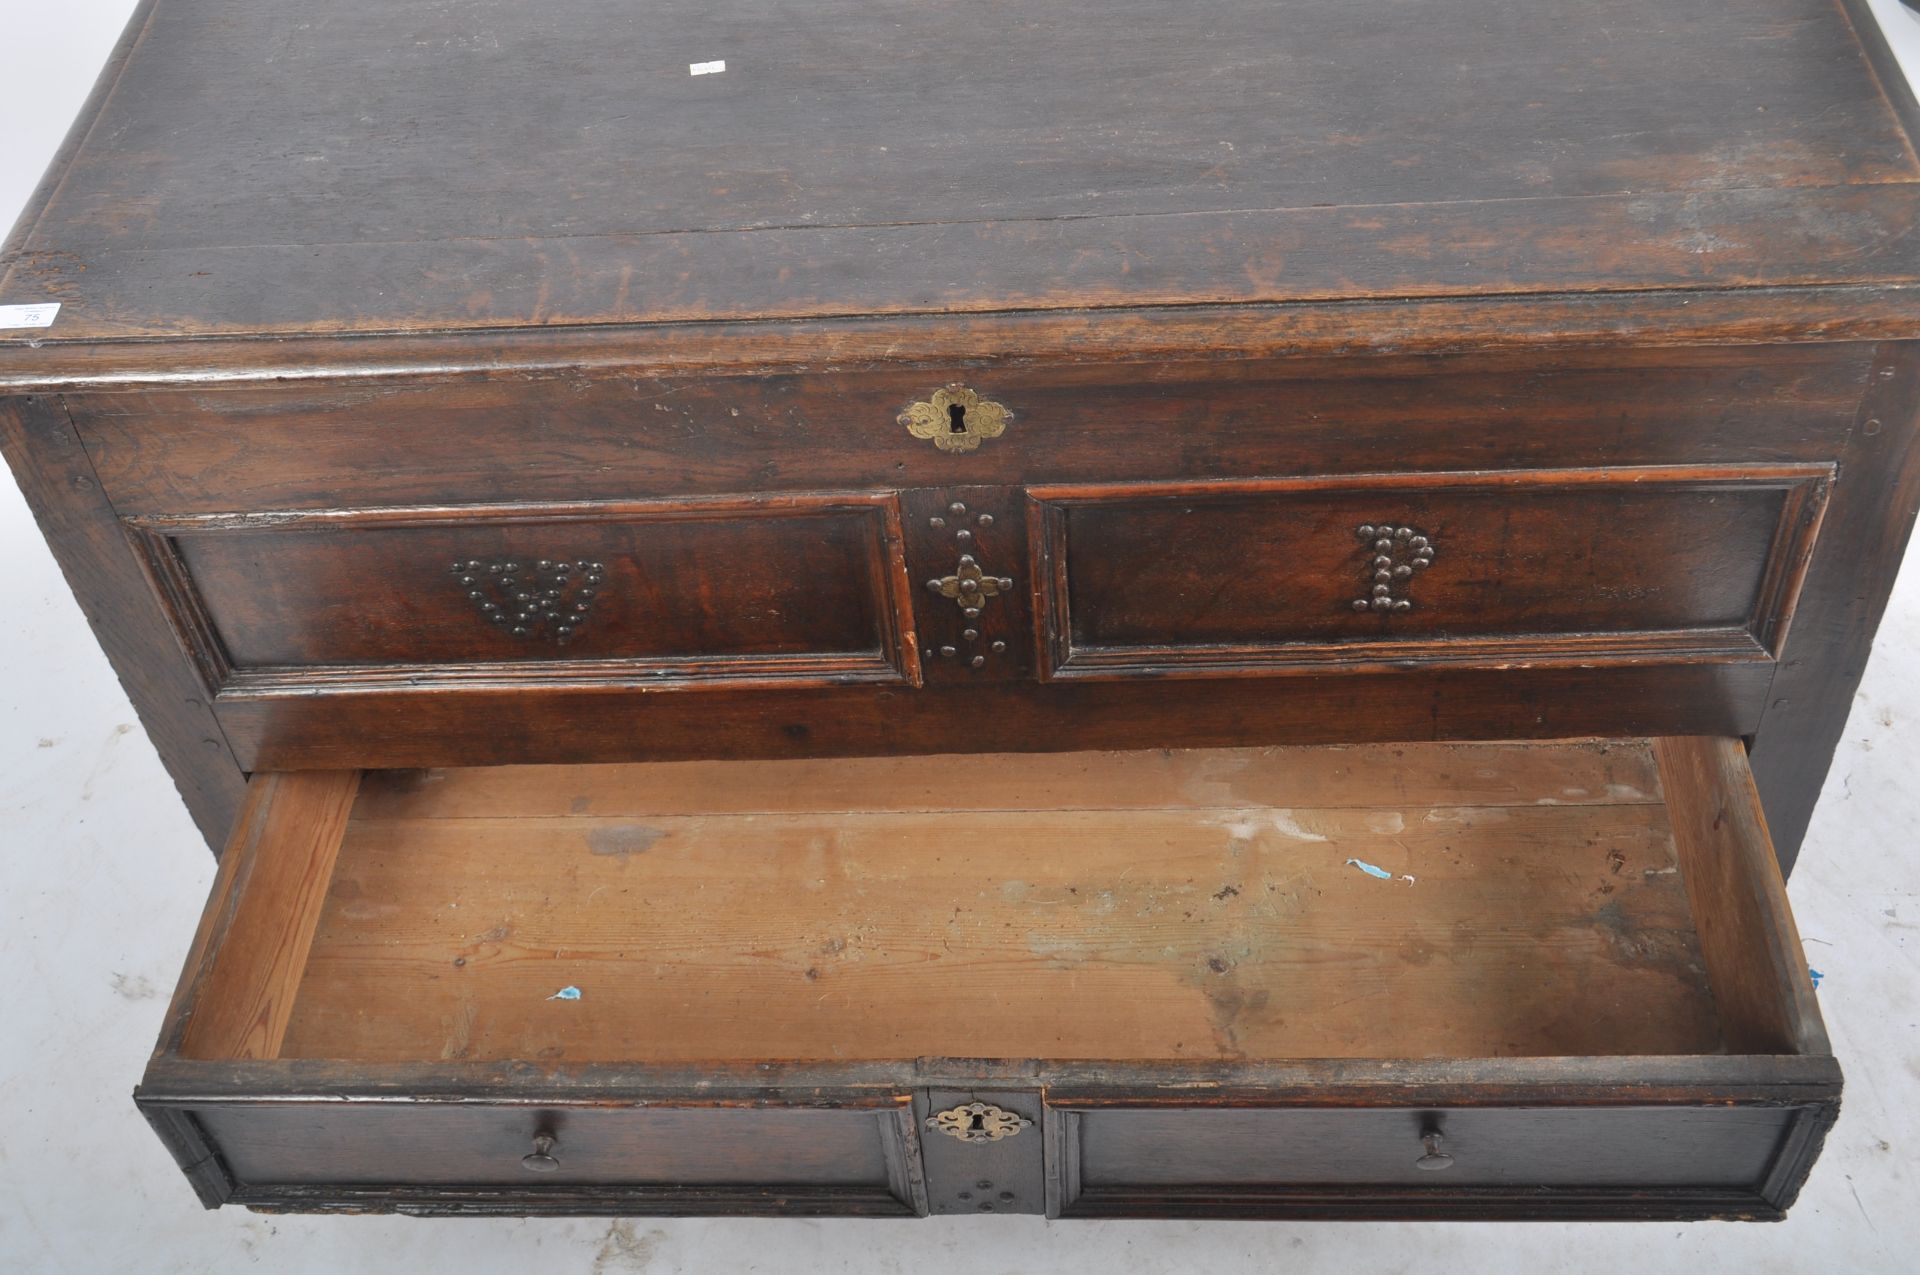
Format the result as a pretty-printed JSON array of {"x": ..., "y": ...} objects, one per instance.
[
  {"x": 956, "y": 418},
  {"x": 977, "y": 1122}
]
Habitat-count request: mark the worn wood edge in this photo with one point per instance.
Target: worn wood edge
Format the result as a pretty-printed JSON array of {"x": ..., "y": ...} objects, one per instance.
[
  {"x": 1657, "y": 230},
  {"x": 192, "y": 1150},
  {"x": 581, "y": 1201},
  {"x": 101, "y": 565},
  {"x": 1644, "y": 1080},
  {"x": 240, "y": 999},
  {"x": 1799, "y": 1149},
  {"x": 1885, "y": 68},
  {"x": 1748, "y": 939},
  {"x": 593, "y": 724},
  {"x": 1413, "y": 1204},
  {"x": 1759, "y": 316},
  {"x": 1789, "y": 555},
  {"x": 1628, "y": 648},
  {"x": 899, "y": 1132},
  {"x": 76, "y": 137}
]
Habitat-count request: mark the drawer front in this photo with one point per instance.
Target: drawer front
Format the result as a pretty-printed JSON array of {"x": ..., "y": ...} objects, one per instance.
[
  {"x": 1457, "y": 1162},
  {"x": 1623, "y": 564},
  {"x": 805, "y": 589},
  {"x": 659, "y": 1158}
]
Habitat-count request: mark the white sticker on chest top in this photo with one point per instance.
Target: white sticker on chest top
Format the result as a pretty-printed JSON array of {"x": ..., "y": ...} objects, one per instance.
[
  {"x": 29, "y": 316},
  {"x": 706, "y": 68}
]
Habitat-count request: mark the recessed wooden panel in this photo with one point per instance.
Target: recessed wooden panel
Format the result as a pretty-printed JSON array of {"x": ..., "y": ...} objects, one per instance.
[
  {"x": 346, "y": 1144},
  {"x": 1174, "y": 1147},
  {"x": 1529, "y": 566},
  {"x": 791, "y": 588}
]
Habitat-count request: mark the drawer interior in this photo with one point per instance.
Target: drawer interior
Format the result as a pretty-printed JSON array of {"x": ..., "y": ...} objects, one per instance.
[{"x": 1479, "y": 900}]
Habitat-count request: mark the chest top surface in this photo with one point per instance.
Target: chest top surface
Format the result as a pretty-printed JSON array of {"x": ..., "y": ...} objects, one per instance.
[{"x": 262, "y": 167}]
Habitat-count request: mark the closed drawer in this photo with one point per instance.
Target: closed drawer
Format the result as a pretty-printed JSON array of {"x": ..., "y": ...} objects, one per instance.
[
  {"x": 846, "y": 1159},
  {"x": 1433, "y": 1162},
  {"x": 1243, "y": 981},
  {"x": 1599, "y": 566}
]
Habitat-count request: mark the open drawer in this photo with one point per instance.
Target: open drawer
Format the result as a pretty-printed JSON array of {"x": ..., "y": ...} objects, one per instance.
[{"x": 1418, "y": 980}]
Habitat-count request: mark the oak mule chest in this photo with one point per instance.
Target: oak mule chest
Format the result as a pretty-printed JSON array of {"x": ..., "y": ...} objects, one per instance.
[{"x": 1104, "y": 609}]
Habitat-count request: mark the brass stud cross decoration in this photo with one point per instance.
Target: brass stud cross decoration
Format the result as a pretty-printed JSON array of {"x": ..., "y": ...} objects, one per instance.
[{"x": 970, "y": 586}]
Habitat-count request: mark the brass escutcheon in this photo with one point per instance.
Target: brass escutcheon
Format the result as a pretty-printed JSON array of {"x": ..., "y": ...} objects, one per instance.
[
  {"x": 978, "y": 1122},
  {"x": 956, "y": 419}
]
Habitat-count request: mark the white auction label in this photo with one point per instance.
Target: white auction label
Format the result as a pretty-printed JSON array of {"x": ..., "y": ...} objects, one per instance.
[
  {"x": 705, "y": 68},
  {"x": 29, "y": 316}
]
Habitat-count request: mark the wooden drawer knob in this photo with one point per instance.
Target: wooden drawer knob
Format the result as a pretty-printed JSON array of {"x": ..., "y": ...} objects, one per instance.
[
  {"x": 1435, "y": 1159},
  {"x": 542, "y": 1159}
]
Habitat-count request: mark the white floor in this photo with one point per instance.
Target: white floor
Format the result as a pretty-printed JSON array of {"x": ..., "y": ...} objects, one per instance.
[{"x": 102, "y": 878}]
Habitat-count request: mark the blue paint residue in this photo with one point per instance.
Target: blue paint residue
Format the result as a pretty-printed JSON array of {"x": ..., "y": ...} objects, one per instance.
[
  {"x": 1370, "y": 870},
  {"x": 1815, "y": 975},
  {"x": 566, "y": 994}
]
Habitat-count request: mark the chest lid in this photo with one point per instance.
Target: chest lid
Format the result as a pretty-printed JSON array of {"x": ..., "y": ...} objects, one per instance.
[{"x": 262, "y": 167}]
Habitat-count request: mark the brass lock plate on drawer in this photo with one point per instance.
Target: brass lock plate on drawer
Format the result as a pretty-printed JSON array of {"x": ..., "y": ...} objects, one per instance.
[{"x": 978, "y": 1122}]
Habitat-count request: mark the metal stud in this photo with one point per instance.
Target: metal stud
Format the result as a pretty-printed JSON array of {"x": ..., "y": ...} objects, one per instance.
[
  {"x": 978, "y": 661},
  {"x": 985, "y": 520},
  {"x": 998, "y": 647}
]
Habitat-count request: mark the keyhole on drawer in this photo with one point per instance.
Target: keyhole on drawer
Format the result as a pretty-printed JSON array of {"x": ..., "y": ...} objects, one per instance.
[{"x": 956, "y": 418}]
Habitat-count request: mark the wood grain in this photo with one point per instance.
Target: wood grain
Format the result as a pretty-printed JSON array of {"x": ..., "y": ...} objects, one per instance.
[
  {"x": 821, "y": 176},
  {"x": 1747, "y": 935},
  {"x": 246, "y": 963},
  {"x": 1211, "y": 924},
  {"x": 172, "y": 700},
  {"x": 1359, "y": 776}
]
